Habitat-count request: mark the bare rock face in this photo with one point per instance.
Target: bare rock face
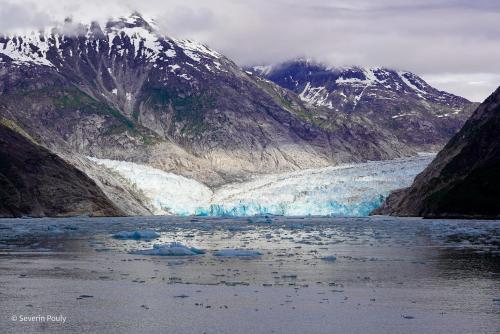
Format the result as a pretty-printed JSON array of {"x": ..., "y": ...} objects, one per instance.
[
  {"x": 420, "y": 117},
  {"x": 35, "y": 182},
  {"x": 121, "y": 192},
  {"x": 127, "y": 92},
  {"x": 463, "y": 180}
]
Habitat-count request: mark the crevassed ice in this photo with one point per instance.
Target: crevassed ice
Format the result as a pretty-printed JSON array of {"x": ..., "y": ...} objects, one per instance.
[
  {"x": 167, "y": 192},
  {"x": 346, "y": 190}
]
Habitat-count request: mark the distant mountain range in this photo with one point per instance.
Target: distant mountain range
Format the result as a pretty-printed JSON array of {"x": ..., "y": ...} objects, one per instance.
[
  {"x": 126, "y": 92},
  {"x": 400, "y": 102}
]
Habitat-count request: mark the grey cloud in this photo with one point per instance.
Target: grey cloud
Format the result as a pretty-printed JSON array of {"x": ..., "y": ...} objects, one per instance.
[
  {"x": 436, "y": 37},
  {"x": 21, "y": 16},
  {"x": 186, "y": 20}
]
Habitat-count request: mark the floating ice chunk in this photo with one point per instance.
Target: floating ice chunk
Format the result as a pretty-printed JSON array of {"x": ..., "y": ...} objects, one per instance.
[
  {"x": 238, "y": 253},
  {"x": 136, "y": 235},
  {"x": 170, "y": 249},
  {"x": 329, "y": 258}
]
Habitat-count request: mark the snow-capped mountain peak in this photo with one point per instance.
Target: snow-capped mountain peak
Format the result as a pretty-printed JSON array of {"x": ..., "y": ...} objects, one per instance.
[
  {"x": 397, "y": 100},
  {"x": 134, "y": 20},
  {"x": 348, "y": 88},
  {"x": 130, "y": 37}
]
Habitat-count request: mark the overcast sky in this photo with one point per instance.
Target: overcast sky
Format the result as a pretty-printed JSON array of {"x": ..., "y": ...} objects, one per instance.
[{"x": 453, "y": 44}]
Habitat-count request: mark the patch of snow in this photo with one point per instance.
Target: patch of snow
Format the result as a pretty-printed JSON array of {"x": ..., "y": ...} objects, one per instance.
[
  {"x": 192, "y": 55},
  {"x": 170, "y": 53},
  {"x": 196, "y": 50},
  {"x": 20, "y": 48},
  {"x": 145, "y": 41},
  {"x": 263, "y": 69},
  {"x": 406, "y": 76},
  {"x": 316, "y": 96},
  {"x": 369, "y": 79},
  {"x": 173, "y": 67},
  {"x": 403, "y": 115}
]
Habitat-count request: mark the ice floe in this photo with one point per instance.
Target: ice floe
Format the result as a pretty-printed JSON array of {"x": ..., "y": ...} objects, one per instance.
[{"x": 170, "y": 249}]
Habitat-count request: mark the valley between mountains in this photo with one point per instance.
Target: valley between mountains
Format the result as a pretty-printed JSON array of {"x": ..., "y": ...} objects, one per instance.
[{"x": 122, "y": 101}]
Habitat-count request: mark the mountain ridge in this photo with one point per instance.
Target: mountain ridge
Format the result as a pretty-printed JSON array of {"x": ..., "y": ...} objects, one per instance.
[
  {"x": 399, "y": 101},
  {"x": 462, "y": 181},
  {"x": 127, "y": 92}
]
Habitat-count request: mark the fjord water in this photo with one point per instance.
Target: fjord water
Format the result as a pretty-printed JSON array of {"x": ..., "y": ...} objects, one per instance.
[{"x": 314, "y": 275}]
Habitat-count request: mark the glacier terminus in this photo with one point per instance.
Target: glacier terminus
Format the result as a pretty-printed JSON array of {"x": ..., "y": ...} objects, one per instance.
[{"x": 344, "y": 190}]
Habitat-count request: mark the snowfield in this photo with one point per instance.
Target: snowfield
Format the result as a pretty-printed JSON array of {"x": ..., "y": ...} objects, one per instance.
[{"x": 345, "y": 190}]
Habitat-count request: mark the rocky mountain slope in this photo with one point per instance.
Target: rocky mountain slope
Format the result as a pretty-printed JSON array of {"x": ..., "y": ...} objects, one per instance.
[
  {"x": 463, "y": 179},
  {"x": 36, "y": 182},
  {"x": 420, "y": 116},
  {"x": 126, "y": 92}
]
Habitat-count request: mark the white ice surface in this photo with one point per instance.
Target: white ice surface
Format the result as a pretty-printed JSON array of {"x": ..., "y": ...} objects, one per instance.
[
  {"x": 168, "y": 193},
  {"x": 170, "y": 249},
  {"x": 345, "y": 190}
]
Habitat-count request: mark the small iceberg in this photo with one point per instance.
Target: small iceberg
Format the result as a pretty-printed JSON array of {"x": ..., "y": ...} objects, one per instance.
[
  {"x": 329, "y": 258},
  {"x": 136, "y": 235},
  {"x": 170, "y": 249},
  {"x": 238, "y": 253}
]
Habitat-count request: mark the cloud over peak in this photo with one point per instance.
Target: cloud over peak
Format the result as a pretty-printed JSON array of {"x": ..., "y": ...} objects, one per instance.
[{"x": 453, "y": 43}]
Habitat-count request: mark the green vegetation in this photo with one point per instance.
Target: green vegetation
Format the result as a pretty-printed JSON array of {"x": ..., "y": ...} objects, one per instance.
[
  {"x": 189, "y": 110},
  {"x": 283, "y": 100},
  {"x": 74, "y": 99},
  {"x": 68, "y": 99}
]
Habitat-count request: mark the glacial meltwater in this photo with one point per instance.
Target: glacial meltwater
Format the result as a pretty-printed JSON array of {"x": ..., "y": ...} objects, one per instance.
[{"x": 268, "y": 274}]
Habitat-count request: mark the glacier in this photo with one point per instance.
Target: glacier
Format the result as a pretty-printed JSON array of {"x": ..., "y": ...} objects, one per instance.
[
  {"x": 343, "y": 190},
  {"x": 168, "y": 193}
]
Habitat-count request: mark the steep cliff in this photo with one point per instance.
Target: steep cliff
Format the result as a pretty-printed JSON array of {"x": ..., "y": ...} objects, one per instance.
[
  {"x": 35, "y": 182},
  {"x": 464, "y": 178}
]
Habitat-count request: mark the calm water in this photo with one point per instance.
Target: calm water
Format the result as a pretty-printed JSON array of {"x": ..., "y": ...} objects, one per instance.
[{"x": 390, "y": 275}]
